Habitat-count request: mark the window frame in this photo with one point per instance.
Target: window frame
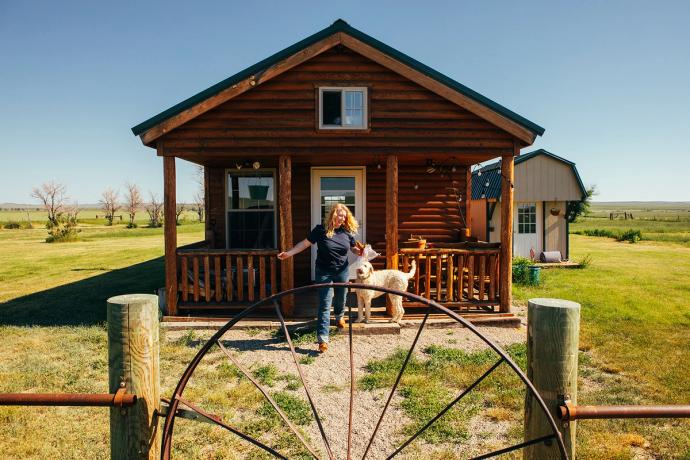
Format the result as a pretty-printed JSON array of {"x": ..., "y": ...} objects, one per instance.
[
  {"x": 250, "y": 173},
  {"x": 342, "y": 89},
  {"x": 524, "y": 228}
]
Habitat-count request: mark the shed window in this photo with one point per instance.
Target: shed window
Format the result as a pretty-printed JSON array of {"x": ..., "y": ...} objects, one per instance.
[
  {"x": 527, "y": 218},
  {"x": 251, "y": 210},
  {"x": 342, "y": 108}
]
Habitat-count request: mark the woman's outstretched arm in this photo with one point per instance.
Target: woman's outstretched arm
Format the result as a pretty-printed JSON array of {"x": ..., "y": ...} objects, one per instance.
[{"x": 296, "y": 249}]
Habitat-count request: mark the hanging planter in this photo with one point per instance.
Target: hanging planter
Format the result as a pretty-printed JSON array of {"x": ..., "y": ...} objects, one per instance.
[{"x": 258, "y": 192}]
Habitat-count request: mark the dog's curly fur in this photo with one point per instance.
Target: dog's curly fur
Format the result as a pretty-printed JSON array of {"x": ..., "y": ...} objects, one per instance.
[{"x": 392, "y": 279}]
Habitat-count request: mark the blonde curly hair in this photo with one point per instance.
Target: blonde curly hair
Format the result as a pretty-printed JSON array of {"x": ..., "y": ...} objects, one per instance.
[{"x": 350, "y": 224}]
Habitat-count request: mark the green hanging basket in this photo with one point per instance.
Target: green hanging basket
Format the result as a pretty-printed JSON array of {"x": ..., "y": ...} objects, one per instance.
[{"x": 258, "y": 192}]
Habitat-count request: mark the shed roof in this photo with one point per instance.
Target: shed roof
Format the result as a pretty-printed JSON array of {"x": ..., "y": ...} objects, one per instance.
[
  {"x": 338, "y": 27},
  {"x": 491, "y": 175}
]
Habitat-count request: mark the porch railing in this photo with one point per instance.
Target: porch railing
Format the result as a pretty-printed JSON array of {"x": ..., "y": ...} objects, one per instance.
[
  {"x": 221, "y": 277},
  {"x": 455, "y": 277}
]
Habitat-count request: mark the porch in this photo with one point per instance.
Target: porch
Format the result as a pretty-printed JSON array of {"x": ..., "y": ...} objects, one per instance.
[{"x": 210, "y": 279}]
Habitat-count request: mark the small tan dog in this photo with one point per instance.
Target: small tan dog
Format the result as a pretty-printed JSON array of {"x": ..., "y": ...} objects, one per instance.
[{"x": 392, "y": 279}]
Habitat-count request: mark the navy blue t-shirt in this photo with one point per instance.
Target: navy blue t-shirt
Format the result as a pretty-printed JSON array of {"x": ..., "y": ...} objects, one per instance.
[{"x": 331, "y": 253}]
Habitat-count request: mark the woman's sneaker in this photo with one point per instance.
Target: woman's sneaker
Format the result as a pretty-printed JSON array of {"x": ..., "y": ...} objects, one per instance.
[
  {"x": 340, "y": 324},
  {"x": 323, "y": 347}
]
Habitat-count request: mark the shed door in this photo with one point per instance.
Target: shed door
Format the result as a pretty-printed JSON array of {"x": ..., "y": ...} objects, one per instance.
[
  {"x": 527, "y": 229},
  {"x": 330, "y": 186}
]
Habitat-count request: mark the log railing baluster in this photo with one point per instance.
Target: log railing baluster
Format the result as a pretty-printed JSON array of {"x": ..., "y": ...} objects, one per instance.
[
  {"x": 207, "y": 278},
  {"x": 184, "y": 278},
  {"x": 470, "y": 277},
  {"x": 240, "y": 278},
  {"x": 250, "y": 278},
  {"x": 439, "y": 276},
  {"x": 416, "y": 275},
  {"x": 195, "y": 277},
  {"x": 219, "y": 286},
  {"x": 482, "y": 281},
  {"x": 273, "y": 276},
  {"x": 228, "y": 277},
  {"x": 461, "y": 276},
  {"x": 449, "y": 278},
  {"x": 262, "y": 277},
  {"x": 427, "y": 277}
]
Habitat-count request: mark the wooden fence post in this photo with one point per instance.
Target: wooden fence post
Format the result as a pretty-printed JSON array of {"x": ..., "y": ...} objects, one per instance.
[
  {"x": 133, "y": 360},
  {"x": 553, "y": 328}
]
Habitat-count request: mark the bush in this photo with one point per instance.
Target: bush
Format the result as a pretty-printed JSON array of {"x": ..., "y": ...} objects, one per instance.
[
  {"x": 632, "y": 236},
  {"x": 12, "y": 225},
  {"x": 521, "y": 270},
  {"x": 65, "y": 230},
  {"x": 132, "y": 225}
]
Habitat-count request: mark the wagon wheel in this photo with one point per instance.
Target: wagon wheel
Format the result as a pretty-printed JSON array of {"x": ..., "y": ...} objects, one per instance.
[{"x": 178, "y": 398}]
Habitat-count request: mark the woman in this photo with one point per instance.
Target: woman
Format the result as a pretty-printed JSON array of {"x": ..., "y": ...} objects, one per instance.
[{"x": 333, "y": 239}]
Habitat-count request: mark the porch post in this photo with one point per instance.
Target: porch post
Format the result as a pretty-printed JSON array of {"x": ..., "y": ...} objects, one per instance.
[
  {"x": 285, "y": 217},
  {"x": 391, "y": 218},
  {"x": 208, "y": 231},
  {"x": 170, "y": 229},
  {"x": 468, "y": 200},
  {"x": 506, "y": 258},
  {"x": 392, "y": 212}
]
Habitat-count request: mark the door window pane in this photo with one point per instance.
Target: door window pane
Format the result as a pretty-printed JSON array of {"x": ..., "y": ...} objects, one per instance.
[
  {"x": 527, "y": 218},
  {"x": 337, "y": 190}
]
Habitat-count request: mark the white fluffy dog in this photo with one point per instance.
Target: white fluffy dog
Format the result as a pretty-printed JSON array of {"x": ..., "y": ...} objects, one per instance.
[{"x": 392, "y": 279}]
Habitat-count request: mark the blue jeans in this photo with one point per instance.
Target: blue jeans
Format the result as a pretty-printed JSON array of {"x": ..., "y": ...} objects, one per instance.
[{"x": 327, "y": 296}]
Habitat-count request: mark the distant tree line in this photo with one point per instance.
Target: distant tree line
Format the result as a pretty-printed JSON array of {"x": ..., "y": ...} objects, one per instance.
[{"x": 62, "y": 216}]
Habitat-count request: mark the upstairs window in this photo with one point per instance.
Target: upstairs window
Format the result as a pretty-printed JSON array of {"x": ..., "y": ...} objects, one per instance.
[{"x": 343, "y": 108}]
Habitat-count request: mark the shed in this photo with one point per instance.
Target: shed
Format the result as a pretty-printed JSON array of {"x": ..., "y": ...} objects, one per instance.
[{"x": 544, "y": 185}]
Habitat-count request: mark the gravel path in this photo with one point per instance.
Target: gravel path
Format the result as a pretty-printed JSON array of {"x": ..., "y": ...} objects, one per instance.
[{"x": 328, "y": 379}]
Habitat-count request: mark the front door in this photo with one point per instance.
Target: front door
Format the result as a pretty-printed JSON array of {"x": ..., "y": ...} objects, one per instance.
[
  {"x": 527, "y": 229},
  {"x": 337, "y": 185}
]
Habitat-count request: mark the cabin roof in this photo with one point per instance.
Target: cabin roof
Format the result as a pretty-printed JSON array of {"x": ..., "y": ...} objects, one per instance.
[
  {"x": 491, "y": 175},
  {"x": 338, "y": 26}
]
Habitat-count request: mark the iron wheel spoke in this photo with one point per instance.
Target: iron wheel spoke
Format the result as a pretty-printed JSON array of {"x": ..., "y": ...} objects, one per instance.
[
  {"x": 516, "y": 447},
  {"x": 218, "y": 421},
  {"x": 447, "y": 408},
  {"x": 301, "y": 376},
  {"x": 397, "y": 381},
  {"x": 268, "y": 398}
]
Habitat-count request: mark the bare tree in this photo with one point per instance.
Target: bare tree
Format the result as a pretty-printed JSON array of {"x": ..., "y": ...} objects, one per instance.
[
  {"x": 199, "y": 200},
  {"x": 52, "y": 197},
  {"x": 133, "y": 202},
  {"x": 179, "y": 209},
  {"x": 155, "y": 211},
  {"x": 109, "y": 204},
  {"x": 73, "y": 211}
]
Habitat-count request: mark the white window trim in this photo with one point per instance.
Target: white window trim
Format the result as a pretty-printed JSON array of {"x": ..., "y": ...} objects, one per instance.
[
  {"x": 365, "y": 107},
  {"x": 275, "y": 207}
]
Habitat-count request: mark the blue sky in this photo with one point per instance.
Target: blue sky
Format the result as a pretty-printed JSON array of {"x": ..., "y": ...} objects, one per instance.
[{"x": 610, "y": 81}]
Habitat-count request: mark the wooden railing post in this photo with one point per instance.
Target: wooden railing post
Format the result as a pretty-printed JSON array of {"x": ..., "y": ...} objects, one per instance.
[
  {"x": 553, "y": 327},
  {"x": 285, "y": 217},
  {"x": 506, "y": 259},
  {"x": 133, "y": 364},
  {"x": 391, "y": 218},
  {"x": 170, "y": 230}
]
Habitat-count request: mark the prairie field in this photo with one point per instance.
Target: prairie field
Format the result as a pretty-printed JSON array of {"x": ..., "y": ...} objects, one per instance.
[
  {"x": 657, "y": 221},
  {"x": 634, "y": 345}
]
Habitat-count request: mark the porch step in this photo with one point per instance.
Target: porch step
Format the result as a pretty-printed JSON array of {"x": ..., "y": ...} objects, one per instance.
[{"x": 376, "y": 327}]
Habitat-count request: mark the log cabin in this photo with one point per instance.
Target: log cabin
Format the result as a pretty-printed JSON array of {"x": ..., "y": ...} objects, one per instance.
[{"x": 336, "y": 117}]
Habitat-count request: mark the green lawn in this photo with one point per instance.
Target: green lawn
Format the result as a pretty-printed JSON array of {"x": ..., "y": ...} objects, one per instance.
[{"x": 635, "y": 338}]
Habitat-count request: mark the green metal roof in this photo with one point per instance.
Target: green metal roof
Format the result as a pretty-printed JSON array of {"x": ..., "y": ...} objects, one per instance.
[
  {"x": 491, "y": 175},
  {"x": 337, "y": 26}
]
